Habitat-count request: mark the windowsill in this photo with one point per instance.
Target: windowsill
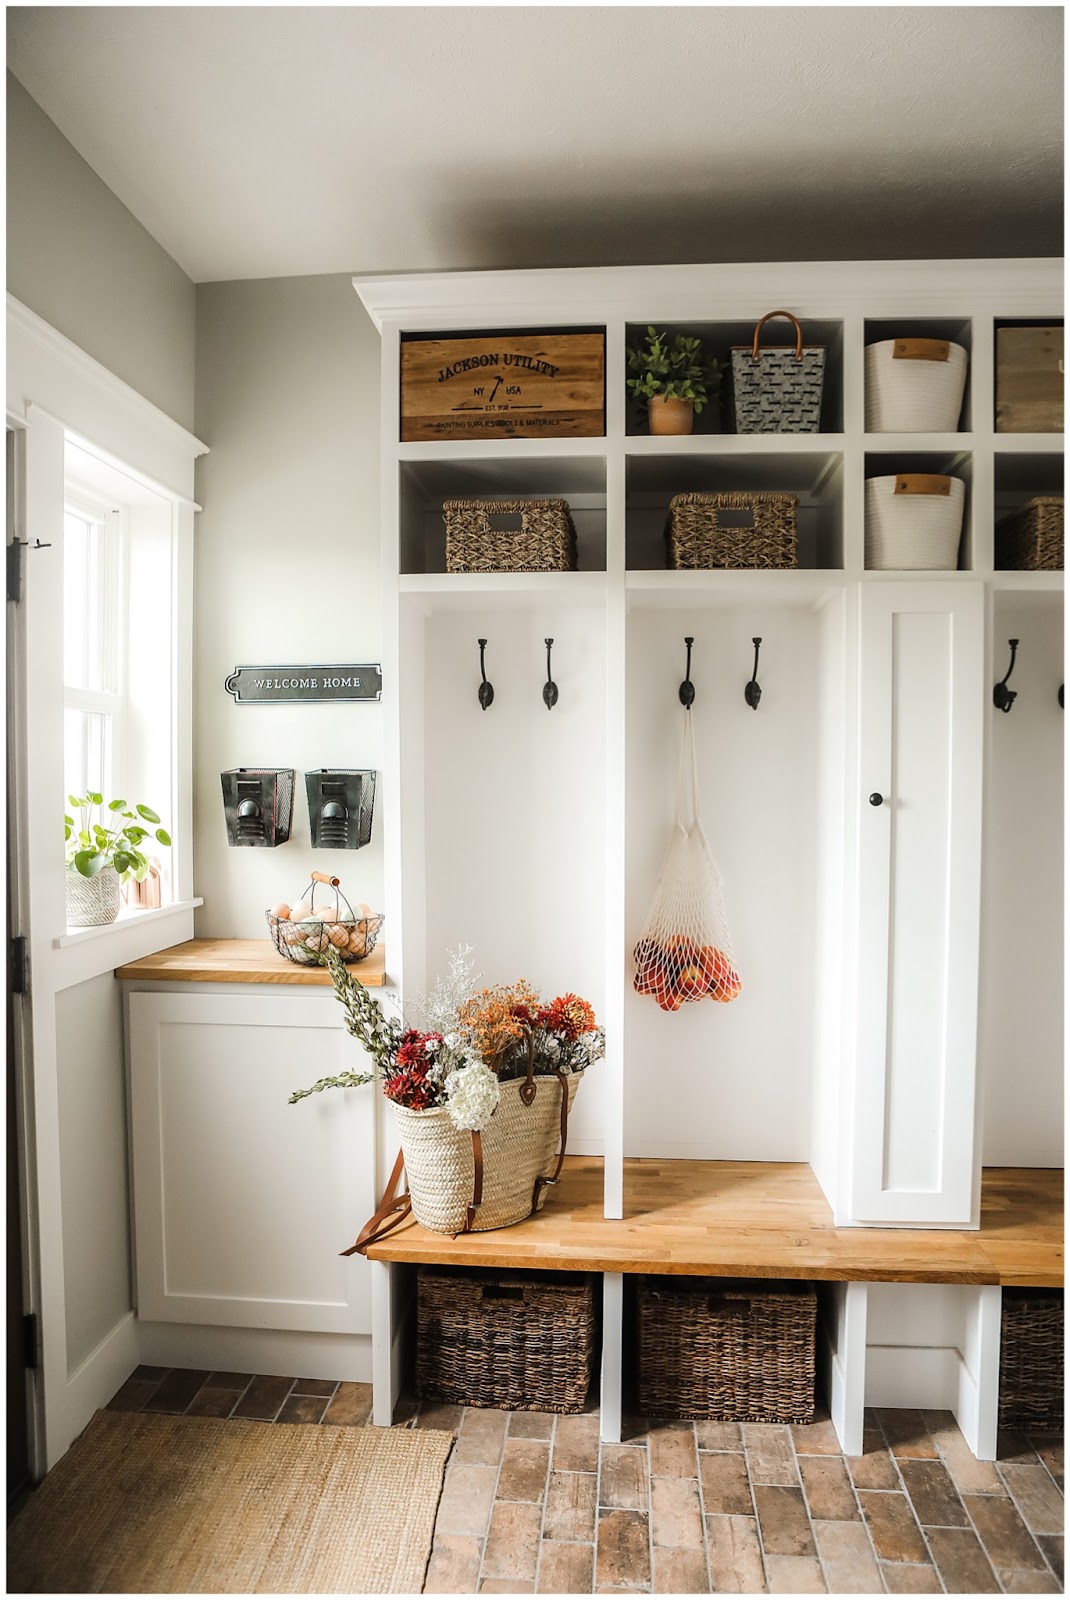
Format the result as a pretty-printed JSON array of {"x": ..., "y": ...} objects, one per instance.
[{"x": 126, "y": 919}]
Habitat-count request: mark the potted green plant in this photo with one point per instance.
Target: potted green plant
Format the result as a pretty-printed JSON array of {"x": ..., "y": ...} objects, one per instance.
[
  {"x": 675, "y": 376},
  {"x": 104, "y": 852}
]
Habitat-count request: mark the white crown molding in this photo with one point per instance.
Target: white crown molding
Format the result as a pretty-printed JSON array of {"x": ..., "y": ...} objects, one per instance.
[
  {"x": 935, "y": 288},
  {"x": 48, "y": 339}
]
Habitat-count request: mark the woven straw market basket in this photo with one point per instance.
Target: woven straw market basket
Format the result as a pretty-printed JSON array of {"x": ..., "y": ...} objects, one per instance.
[{"x": 519, "y": 1147}]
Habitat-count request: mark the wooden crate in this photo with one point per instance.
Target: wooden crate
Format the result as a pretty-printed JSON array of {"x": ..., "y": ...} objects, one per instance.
[
  {"x": 504, "y": 386},
  {"x": 1029, "y": 380}
]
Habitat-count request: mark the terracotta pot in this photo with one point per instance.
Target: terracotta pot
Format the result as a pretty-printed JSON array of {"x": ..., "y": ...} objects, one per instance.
[{"x": 670, "y": 416}]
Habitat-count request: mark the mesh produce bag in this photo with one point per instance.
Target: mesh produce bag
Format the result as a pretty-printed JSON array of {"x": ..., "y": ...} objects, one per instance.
[{"x": 685, "y": 952}]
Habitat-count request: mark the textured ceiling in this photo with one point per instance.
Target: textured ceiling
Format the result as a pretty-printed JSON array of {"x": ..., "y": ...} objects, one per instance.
[{"x": 262, "y": 142}]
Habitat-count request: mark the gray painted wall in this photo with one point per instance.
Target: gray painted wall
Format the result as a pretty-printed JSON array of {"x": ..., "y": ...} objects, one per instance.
[
  {"x": 77, "y": 257},
  {"x": 287, "y": 568},
  {"x": 92, "y": 1145}
]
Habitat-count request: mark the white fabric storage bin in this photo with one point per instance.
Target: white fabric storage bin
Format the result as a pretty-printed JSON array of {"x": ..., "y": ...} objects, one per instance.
[
  {"x": 913, "y": 522},
  {"x": 914, "y": 386}
]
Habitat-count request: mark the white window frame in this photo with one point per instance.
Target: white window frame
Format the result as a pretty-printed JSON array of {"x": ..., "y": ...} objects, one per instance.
[{"x": 111, "y": 622}]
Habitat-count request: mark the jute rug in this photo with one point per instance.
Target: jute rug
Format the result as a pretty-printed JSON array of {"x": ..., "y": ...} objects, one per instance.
[{"x": 191, "y": 1505}]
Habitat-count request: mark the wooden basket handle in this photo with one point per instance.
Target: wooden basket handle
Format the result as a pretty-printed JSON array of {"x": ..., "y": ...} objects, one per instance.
[
  {"x": 795, "y": 324},
  {"x": 325, "y": 877}
]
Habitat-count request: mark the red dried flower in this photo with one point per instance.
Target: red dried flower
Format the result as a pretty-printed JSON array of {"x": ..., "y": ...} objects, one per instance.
[{"x": 409, "y": 1088}]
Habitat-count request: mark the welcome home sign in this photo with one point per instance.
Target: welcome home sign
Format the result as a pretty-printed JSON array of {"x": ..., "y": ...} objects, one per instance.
[{"x": 259, "y": 685}]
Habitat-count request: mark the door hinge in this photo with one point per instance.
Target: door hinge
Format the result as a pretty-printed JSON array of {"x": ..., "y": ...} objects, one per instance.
[
  {"x": 14, "y": 570},
  {"x": 20, "y": 965},
  {"x": 30, "y": 1341}
]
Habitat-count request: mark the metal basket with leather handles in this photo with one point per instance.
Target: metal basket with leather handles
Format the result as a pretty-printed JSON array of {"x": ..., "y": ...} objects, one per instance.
[
  {"x": 778, "y": 389},
  {"x": 461, "y": 1181}
]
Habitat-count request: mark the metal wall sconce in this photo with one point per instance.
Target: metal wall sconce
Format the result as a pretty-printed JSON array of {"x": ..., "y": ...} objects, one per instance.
[
  {"x": 1002, "y": 697},
  {"x": 340, "y": 805},
  {"x": 258, "y": 803},
  {"x": 753, "y": 692}
]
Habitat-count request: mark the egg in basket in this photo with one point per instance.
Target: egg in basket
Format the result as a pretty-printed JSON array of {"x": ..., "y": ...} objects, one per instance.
[{"x": 321, "y": 918}]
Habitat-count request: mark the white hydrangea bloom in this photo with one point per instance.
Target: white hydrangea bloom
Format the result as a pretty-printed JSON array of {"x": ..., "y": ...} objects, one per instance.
[{"x": 472, "y": 1095}]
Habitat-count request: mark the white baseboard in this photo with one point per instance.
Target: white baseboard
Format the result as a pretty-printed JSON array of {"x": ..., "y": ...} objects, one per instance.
[
  {"x": 282, "y": 1354},
  {"x": 92, "y": 1385},
  {"x": 901, "y": 1376}
]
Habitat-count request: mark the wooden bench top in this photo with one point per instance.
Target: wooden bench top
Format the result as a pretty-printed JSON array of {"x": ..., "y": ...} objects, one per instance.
[
  {"x": 242, "y": 961},
  {"x": 752, "y": 1219}
]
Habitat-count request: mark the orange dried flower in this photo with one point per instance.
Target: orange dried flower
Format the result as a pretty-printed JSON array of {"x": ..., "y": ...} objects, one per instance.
[{"x": 488, "y": 1017}]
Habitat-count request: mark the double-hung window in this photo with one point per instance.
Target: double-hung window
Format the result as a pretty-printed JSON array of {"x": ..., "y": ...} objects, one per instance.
[{"x": 93, "y": 644}]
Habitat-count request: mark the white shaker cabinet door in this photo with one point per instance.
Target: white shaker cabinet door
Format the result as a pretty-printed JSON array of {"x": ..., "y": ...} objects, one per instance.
[
  {"x": 241, "y": 1201},
  {"x": 920, "y": 743}
]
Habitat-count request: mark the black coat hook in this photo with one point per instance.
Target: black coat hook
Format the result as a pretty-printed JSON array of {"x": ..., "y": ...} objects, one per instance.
[
  {"x": 486, "y": 690},
  {"x": 549, "y": 691},
  {"x": 1061, "y": 696},
  {"x": 687, "y": 688},
  {"x": 1002, "y": 697},
  {"x": 753, "y": 692}
]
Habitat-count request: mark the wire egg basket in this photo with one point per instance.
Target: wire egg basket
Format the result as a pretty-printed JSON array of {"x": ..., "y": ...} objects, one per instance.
[{"x": 306, "y": 941}]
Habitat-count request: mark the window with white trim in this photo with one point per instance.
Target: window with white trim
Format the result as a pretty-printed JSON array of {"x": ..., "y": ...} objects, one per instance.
[{"x": 118, "y": 642}]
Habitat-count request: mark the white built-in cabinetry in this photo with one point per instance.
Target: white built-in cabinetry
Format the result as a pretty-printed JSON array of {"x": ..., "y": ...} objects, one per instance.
[
  {"x": 884, "y": 948},
  {"x": 860, "y": 929},
  {"x": 242, "y": 1202}
]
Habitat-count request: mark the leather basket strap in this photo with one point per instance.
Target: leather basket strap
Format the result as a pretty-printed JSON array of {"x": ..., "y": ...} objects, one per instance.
[
  {"x": 541, "y": 1182},
  {"x": 392, "y": 1211},
  {"x": 477, "y": 1182}
]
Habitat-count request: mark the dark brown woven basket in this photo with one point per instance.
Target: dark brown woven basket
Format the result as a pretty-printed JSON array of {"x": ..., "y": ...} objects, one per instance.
[
  {"x": 1031, "y": 539},
  {"x": 727, "y": 1352},
  {"x": 732, "y": 529},
  {"x": 1031, "y": 1359},
  {"x": 519, "y": 1341},
  {"x": 509, "y": 536}
]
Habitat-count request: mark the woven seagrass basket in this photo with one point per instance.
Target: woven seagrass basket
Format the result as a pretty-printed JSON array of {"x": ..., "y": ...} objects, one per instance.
[
  {"x": 727, "y": 1352},
  {"x": 520, "y": 1341},
  {"x": 1031, "y": 1360},
  {"x": 732, "y": 529},
  {"x": 509, "y": 536},
  {"x": 519, "y": 1143},
  {"x": 1031, "y": 539}
]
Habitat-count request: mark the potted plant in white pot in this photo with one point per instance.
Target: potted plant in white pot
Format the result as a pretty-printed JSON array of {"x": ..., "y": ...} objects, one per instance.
[
  {"x": 103, "y": 853},
  {"x": 675, "y": 376}
]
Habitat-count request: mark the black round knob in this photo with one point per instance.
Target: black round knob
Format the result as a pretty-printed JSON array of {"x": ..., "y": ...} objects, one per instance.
[{"x": 876, "y": 799}]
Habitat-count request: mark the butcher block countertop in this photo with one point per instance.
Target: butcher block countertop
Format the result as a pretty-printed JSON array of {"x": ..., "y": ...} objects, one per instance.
[
  {"x": 243, "y": 961},
  {"x": 756, "y": 1219}
]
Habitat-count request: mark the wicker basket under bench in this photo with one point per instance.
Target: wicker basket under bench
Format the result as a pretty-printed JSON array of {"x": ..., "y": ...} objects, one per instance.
[
  {"x": 1031, "y": 1360},
  {"x": 521, "y": 1341},
  {"x": 726, "y": 1351}
]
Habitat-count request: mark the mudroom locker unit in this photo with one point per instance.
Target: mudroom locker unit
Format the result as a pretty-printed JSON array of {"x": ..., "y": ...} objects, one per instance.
[{"x": 890, "y": 842}]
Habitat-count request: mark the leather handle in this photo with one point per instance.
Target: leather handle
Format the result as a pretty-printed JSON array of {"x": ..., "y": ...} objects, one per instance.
[
  {"x": 795, "y": 324},
  {"x": 391, "y": 1213},
  {"x": 921, "y": 350},
  {"x": 477, "y": 1182},
  {"x": 541, "y": 1182},
  {"x": 922, "y": 483}
]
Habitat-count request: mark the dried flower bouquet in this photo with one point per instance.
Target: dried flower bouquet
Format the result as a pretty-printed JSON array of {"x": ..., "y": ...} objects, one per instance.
[{"x": 474, "y": 1040}]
